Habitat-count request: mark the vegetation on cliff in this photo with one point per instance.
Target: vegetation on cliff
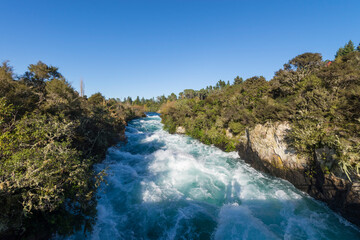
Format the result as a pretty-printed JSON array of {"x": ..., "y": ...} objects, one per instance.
[
  {"x": 320, "y": 99},
  {"x": 50, "y": 138}
]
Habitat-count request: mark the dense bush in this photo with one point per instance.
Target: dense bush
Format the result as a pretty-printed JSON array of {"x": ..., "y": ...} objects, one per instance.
[
  {"x": 50, "y": 139},
  {"x": 321, "y": 100}
]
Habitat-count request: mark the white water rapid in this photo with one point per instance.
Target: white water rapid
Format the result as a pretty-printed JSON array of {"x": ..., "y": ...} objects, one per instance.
[{"x": 163, "y": 186}]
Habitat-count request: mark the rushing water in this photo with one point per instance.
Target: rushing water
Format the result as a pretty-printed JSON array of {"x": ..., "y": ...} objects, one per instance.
[{"x": 163, "y": 186}]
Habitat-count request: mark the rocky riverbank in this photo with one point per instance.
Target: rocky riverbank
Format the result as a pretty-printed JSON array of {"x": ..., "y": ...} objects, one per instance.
[
  {"x": 303, "y": 125},
  {"x": 266, "y": 149}
]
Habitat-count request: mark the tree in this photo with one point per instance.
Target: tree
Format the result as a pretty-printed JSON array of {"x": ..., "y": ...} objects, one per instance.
[
  {"x": 172, "y": 97},
  {"x": 285, "y": 80},
  {"x": 129, "y": 100},
  {"x": 62, "y": 98},
  {"x": 96, "y": 98},
  {"x": 238, "y": 80},
  {"x": 6, "y": 78},
  {"x": 39, "y": 73},
  {"x": 137, "y": 101},
  {"x": 16, "y": 92},
  {"x": 161, "y": 99},
  {"x": 189, "y": 93},
  {"x": 348, "y": 48},
  {"x": 202, "y": 94},
  {"x": 304, "y": 62},
  {"x": 220, "y": 84}
]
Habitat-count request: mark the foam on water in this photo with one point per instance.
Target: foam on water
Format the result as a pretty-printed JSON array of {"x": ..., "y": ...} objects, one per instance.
[{"x": 162, "y": 186}]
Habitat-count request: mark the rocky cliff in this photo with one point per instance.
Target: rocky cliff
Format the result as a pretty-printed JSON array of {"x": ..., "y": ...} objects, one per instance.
[{"x": 266, "y": 149}]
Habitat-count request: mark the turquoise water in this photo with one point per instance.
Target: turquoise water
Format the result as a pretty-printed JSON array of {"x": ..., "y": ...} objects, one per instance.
[{"x": 163, "y": 186}]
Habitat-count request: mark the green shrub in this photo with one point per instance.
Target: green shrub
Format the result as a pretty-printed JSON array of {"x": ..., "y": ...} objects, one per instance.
[{"x": 320, "y": 101}]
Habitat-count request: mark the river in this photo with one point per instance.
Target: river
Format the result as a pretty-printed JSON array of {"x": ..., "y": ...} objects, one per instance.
[{"x": 163, "y": 186}]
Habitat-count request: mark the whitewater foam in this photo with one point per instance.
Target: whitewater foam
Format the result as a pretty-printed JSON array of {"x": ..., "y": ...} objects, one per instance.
[{"x": 162, "y": 186}]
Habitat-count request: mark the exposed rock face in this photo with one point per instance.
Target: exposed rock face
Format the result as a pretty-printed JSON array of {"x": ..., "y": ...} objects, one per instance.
[
  {"x": 265, "y": 148},
  {"x": 180, "y": 130},
  {"x": 228, "y": 133}
]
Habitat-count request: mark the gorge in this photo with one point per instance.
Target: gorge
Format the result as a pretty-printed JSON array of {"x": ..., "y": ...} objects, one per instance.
[
  {"x": 164, "y": 186},
  {"x": 301, "y": 126}
]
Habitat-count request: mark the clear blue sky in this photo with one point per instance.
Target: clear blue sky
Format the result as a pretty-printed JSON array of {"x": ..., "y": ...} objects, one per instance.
[{"x": 149, "y": 48}]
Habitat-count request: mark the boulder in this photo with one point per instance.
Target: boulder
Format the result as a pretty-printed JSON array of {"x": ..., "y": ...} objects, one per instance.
[{"x": 180, "y": 130}]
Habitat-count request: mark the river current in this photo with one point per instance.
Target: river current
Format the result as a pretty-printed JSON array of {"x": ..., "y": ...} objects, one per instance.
[{"x": 163, "y": 186}]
